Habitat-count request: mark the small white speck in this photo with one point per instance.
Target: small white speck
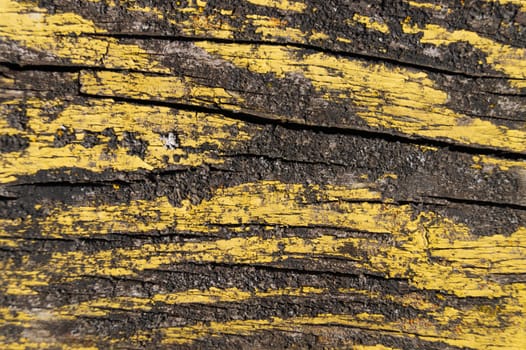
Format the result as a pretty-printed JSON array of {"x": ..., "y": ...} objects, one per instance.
[{"x": 170, "y": 140}]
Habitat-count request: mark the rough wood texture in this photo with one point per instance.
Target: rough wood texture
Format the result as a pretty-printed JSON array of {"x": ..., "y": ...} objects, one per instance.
[{"x": 263, "y": 174}]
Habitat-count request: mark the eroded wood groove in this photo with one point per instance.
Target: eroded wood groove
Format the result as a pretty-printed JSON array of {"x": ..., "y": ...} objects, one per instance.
[{"x": 262, "y": 174}]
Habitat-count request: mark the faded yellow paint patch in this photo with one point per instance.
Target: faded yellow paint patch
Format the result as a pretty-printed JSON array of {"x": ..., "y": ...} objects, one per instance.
[
  {"x": 401, "y": 328},
  {"x": 33, "y": 335},
  {"x": 272, "y": 27},
  {"x": 372, "y": 347},
  {"x": 143, "y": 86},
  {"x": 505, "y": 58},
  {"x": 59, "y": 34},
  {"x": 185, "y": 335},
  {"x": 393, "y": 98},
  {"x": 284, "y": 5},
  {"x": 315, "y": 35},
  {"x": 126, "y": 262},
  {"x": 13, "y": 317},
  {"x": 5, "y": 128},
  {"x": 482, "y": 162},
  {"x": 370, "y": 23},
  {"x": 104, "y": 306},
  {"x": 426, "y": 5},
  {"x": 344, "y": 40},
  {"x": 463, "y": 262},
  {"x": 166, "y": 131},
  {"x": 271, "y": 202},
  {"x": 495, "y": 254},
  {"x": 199, "y": 23},
  {"x": 520, "y": 3}
]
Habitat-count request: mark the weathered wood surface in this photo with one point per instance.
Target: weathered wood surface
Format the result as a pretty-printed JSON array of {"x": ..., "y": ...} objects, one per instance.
[{"x": 263, "y": 174}]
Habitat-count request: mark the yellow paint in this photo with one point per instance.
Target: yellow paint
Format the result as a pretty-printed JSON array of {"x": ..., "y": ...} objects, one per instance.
[
  {"x": 185, "y": 335},
  {"x": 272, "y": 202},
  {"x": 147, "y": 10},
  {"x": 488, "y": 162},
  {"x": 426, "y": 5},
  {"x": 413, "y": 105},
  {"x": 13, "y": 317},
  {"x": 198, "y": 23},
  {"x": 27, "y": 344},
  {"x": 272, "y": 27},
  {"x": 505, "y": 58},
  {"x": 315, "y": 35},
  {"x": 344, "y": 40},
  {"x": 393, "y": 98},
  {"x": 284, "y": 5},
  {"x": 370, "y": 23},
  {"x": 428, "y": 148},
  {"x": 33, "y": 336},
  {"x": 470, "y": 338},
  {"x": 143, "y": 86},
  {"x": 149, "y": 123},
  {"x": 372, "y": 347},
  {"x": 11, "y": 243},
  {"x": 390, "y": 176},
  {"x": 104, "y": 306},
  {"x": 58, "y": 34},
  {"x": 520, "y": 3},
  {"x": 463, "y": 263},
  {"x": 495, "y": 254},
  {"x": 126, "y": 262},
  {"x": 461, "y": 268}
]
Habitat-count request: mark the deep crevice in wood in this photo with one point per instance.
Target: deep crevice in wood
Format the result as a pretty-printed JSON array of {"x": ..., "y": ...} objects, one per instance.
[
  {"x": 369, "y": 58},
  {"x": 367, "y": 134}
]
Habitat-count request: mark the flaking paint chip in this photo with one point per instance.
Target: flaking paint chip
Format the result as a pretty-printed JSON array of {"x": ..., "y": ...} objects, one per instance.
[{"x": 170, "y": 140}]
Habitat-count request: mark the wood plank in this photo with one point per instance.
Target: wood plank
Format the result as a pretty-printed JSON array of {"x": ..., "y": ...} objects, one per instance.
[
  {"x": 359, "y": 95},
  {"x": 51, "y": 130},
  {"x": 262, "y": 174},
  {"x": 324, "y": 229},
  {"x": 488, "y": 34}
]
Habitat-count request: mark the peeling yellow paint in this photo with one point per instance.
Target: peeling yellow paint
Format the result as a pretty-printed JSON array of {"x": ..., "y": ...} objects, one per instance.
[
  {"x": 505, "y": 58},
  {"x": 482, "y": 161},
  {"x": 392, "y": 98},
  {"x": 33, "y": 27},
  {"x": 269, "y": 201},
  {"x": 430, "y": 251},
  {"x": 202, "y": 24},
  {"x": 427, "y": 5},
  {"x": 428, "y": 148},
  {"x": 462, "y": 265},
  {"x": 401, "y": 328},
  {"x": 13, "y": 317},
  {"x": 520, "y": 3},
  {"x": 284, "y": 5},
  {"x": 104, "y": 306},
  {"x": 344, "y": 40},
  {"x": 152, "y": 124},
  {"x": 315, "y": 35},
  {"x": 144, "y": 86},
  {"x": 373, "y": 347},
  {"x": 272, "y": 27},
  {"x": 184, "y": 335}
]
